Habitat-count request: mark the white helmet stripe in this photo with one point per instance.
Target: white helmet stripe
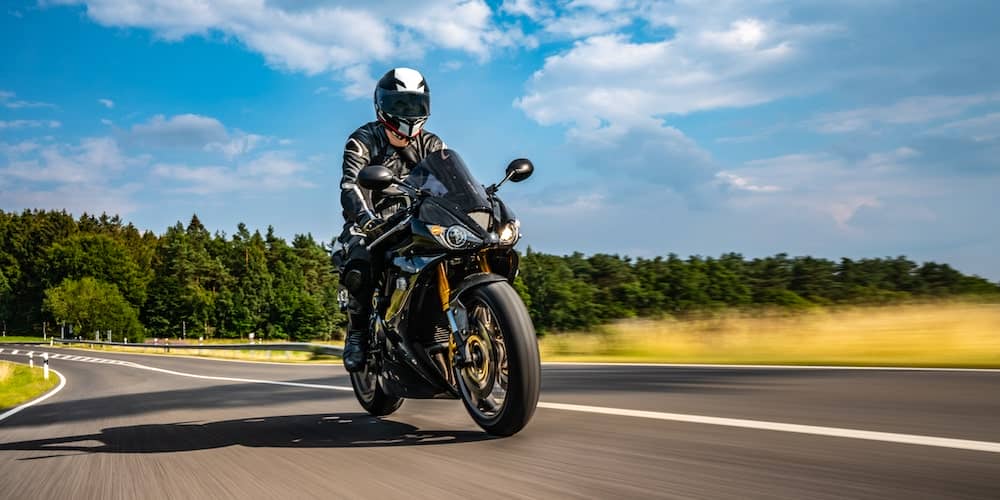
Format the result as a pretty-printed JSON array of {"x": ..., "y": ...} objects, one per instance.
[{"x": 409, "y": 78}]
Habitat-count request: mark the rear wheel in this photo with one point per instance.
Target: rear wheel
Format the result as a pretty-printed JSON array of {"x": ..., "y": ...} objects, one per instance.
[
  {"x": 369, "y": 392},
  {"x": 500, "y": 385}
]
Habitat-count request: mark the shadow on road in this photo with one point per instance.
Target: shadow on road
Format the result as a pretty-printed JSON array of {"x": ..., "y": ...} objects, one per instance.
[
  {"x": 351, "y": 430},
  {"x": 69, "y": 409}
]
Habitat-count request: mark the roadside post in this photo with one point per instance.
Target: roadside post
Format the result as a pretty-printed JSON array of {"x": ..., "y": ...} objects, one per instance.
[
  {"x": 31, "y": 360},
  {"x": 45, "y": 364}
]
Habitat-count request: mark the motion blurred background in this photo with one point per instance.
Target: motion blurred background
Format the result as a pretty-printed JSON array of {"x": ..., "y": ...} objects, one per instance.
[{"x": 830, "y": 166}]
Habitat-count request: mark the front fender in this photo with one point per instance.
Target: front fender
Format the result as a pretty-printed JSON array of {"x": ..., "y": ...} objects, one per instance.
[{"x": 473, "y": 280}]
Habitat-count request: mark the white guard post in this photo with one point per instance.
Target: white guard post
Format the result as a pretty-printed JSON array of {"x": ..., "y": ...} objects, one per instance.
[{"x": 45, "y": 363}]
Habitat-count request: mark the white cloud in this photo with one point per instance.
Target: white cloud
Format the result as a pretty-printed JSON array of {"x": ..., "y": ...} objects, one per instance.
[
  {"x": 12, "y": 124},
  {"x": 14, "y": 150},
  {"x": 833, "y": 186},
  {"x": 531, "y": 9},
  {"x": 316, "y": 37},
  {"x": 7, "y": 100},
  {"x": 984, "y": 128},
  {"x": 743, "y": 34},
  {"x": 602, "y": 5},
  {"x": 271, "y": 171},
  {"x": 94, "y": 199},
  {"x": 584, "y": 24},
  {"x": 358, "y": 82},
  {"x": 197, "y": 132},
  {"x": 907, "y": 111},
  {"x": 743, "y": 184},
  {"x": 91, "y": 162},
  {"x": 239, "y": 143},
  {"x": 187, "y": 130},
  {"x": 614, "y": 93},
  {"x": 610, "y": 77},
  {"x": 107, "y": 103}
]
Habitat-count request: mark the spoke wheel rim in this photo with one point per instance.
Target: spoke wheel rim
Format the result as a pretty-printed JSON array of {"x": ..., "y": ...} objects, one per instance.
[{"x": 484, "y": 382}]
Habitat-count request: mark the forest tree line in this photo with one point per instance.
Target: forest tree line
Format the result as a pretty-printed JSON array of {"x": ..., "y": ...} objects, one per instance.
[{"x": 99, "y": 273}]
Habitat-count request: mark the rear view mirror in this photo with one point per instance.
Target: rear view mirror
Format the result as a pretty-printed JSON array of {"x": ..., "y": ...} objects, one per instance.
[
  {"x": 376, "y": 178},
  {"x": 520, "y": 169}
]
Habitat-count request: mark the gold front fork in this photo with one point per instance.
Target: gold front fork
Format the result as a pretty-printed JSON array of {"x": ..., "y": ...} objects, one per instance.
[
  {"x": 444, "y": 290},
  {"x": 484, "y": 265}
]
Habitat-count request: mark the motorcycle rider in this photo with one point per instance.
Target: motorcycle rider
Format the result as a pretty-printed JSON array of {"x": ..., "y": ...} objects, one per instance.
[{"x": 398, "y": 141}]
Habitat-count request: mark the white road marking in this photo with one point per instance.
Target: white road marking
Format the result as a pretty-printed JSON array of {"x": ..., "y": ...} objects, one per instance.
[
  {"x": 777, "y": 367},
  {"x": 15, "y": 351},
  {"x": 234, "y": 379},
  {"x": 62, "y": 383},
  {"x": 889, "y": 437}
]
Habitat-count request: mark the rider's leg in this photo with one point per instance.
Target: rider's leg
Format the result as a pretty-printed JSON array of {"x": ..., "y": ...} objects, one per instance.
[{"x": 358, "y": 281}]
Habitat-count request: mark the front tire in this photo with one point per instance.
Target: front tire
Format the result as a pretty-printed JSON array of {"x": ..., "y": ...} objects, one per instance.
[{"x": 507, "y": 361}]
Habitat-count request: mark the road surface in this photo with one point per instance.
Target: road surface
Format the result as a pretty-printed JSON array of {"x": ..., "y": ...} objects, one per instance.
[{"x": 137, "y": 426}]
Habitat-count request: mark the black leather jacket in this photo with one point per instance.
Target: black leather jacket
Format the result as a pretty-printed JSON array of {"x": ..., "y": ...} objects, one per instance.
[{"x": 368, "y": 145}]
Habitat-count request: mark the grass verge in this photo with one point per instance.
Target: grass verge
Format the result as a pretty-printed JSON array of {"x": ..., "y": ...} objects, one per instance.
[
  {"x": 19, "y": 339},
  {"x": 20, "y": 384},
  {"x": 930, "y": 335}
]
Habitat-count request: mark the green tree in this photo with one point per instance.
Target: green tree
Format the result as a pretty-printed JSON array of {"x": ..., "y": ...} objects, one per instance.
[
  {"x": 93, "y": 306},
  {"x": 98, "y": 256},
  {"x": 559, "y": 300}
]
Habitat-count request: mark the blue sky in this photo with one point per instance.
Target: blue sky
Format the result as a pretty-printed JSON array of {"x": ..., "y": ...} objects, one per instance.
[{"x": 829, "y": 128}]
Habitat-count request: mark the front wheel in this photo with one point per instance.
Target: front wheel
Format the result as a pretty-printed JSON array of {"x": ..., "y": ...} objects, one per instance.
[{"x": 500, "y": 385}]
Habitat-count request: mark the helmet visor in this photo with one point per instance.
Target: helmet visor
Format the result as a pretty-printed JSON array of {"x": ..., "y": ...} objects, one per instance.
[{"x": 405, "y": 104}]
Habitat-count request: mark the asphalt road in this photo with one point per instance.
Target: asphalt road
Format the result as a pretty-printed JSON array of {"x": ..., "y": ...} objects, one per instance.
[{"x": 118, "y": 430}]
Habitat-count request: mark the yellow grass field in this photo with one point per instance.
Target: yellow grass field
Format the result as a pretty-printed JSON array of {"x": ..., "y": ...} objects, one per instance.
[{"x": 945, "y": 335}]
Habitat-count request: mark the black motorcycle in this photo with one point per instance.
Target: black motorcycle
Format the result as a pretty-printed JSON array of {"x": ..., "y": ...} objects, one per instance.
[{"x": 446, "y": 321}]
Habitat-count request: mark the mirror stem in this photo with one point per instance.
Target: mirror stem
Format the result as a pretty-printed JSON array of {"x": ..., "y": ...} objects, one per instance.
[{"x": 496, "y": 187}]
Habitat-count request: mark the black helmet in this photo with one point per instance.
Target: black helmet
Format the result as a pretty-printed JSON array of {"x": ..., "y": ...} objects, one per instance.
[{"x": 403, "y": 101}]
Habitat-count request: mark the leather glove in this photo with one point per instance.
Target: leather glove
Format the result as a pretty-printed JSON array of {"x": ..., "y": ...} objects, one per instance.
[{"x": 367, "y": 221}]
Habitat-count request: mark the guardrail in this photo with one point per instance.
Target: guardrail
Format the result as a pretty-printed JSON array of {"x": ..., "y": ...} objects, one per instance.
[{"x": 285, "y": 346}]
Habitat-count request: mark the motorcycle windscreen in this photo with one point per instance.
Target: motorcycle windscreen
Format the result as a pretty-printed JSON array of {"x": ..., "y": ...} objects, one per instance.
[{"x": 444, "y": 175}]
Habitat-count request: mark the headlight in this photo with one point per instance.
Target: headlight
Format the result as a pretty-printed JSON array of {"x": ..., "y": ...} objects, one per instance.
[
  {"x": 509, "y": 232},
  {"x": 455, "y": 237}
]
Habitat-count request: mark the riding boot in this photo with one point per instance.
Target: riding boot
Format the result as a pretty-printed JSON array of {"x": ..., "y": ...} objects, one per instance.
[{"x": 356, "y": 344}]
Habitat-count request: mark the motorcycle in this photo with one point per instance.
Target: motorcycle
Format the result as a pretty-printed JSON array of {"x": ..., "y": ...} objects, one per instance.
[{"x": 447, "y": 322}]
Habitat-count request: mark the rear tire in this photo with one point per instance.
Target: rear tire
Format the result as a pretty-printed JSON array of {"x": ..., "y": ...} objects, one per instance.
[
  {"x": 370, "y": 394},
  {"x": 514, "y": 346}
]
